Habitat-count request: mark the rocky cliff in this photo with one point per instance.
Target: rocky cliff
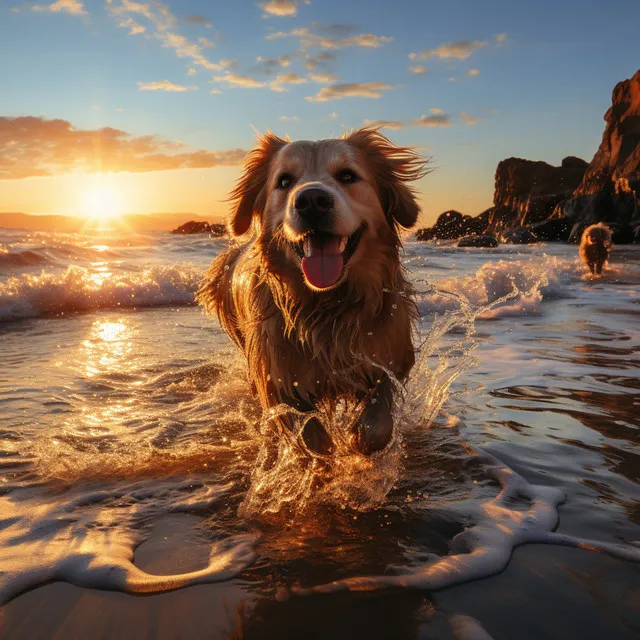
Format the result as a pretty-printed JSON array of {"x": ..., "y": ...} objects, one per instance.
[
  {"x": 610, "y": 189},
  {"x": 535, "y": 199}
]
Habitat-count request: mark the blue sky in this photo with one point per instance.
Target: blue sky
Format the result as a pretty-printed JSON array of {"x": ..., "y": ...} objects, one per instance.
[{"x": 493, "y": 79}]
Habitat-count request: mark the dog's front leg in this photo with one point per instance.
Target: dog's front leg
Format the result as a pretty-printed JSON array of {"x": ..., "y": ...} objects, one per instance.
[{"x": 374, "y": 428}]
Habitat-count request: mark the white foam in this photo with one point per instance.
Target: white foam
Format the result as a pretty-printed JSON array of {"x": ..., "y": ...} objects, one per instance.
[
  {"x": 521, "y": 513},
  {"x": 89, "y": 539},
  {"x": 83, "y": 289}
]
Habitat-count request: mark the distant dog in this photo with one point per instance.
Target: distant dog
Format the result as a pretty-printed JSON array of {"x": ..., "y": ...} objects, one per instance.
[
  {"x": 317, "y": 298},
  {"x": 595, "y": 247}
]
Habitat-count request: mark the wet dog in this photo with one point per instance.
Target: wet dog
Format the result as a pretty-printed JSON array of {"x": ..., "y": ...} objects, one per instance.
[
  {"x": 595, "y": 247},
  {"x": 315, "y": 295}
]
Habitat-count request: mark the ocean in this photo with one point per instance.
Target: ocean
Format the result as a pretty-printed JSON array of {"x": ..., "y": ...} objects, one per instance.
[{"x": 139, "y": 497}]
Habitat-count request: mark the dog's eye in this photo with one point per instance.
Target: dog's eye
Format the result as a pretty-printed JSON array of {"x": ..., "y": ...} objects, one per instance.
[
  {"x": 346, "y": 176},
  {"x": 285, "y": 181}
]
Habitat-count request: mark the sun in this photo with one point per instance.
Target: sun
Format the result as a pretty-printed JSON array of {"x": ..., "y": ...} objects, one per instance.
[{"x": 102, "y": 204}]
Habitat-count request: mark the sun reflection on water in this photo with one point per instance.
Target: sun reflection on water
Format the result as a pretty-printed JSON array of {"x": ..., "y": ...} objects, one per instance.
[{"x": 108, "y": 347}]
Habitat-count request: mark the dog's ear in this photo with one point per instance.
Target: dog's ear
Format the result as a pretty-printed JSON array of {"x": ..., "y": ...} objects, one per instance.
[
  {"x": 392, "y": 168},
  {"x": 249, "y": 195}
]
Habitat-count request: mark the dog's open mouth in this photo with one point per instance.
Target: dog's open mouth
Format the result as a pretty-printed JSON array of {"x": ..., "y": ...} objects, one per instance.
[{"x": 324, "y": 256}]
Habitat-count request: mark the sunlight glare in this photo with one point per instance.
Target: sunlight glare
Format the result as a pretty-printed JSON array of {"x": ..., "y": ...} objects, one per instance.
[{"x": 102, "y": 203}]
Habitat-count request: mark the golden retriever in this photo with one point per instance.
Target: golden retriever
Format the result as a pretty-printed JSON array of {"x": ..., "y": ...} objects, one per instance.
[
  {"x": 316, "y": 297},
  {"x": 595, "y": 247}
]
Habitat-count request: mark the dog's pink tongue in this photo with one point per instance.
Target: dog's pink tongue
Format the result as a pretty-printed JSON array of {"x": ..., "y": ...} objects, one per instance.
[{"x": 323, "y": 266}]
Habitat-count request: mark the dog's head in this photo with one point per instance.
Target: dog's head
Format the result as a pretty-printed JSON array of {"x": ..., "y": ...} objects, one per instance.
[
  {"x": 598, "y": 234},
  {"x": 327, "y": 209}
]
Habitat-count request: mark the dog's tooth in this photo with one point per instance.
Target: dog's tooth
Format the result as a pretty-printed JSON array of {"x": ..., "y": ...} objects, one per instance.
[
  {"x": 343, "y": 243},
  {"x": 307, "y": 246}
]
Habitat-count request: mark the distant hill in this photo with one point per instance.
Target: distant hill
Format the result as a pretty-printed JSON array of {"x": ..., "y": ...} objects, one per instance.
[{"x": 70, "y": 224}]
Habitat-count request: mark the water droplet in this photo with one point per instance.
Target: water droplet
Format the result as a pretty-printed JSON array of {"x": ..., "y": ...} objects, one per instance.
[
  {"x": 370, "y": 333},
  {"x": 226, "y": 267},
  {"x": 295, "y": 384},
  {"x": 394, "y": 306},
  {"x": 268, "y": 377}
]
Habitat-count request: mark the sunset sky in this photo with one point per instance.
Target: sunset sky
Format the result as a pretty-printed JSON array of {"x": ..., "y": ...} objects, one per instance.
[{"x": 152, "y": 105}]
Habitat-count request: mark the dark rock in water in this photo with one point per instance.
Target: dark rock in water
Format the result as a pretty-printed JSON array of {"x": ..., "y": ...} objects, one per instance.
[
  {"x": 610, "y": 189},
  {"x": 573, "y": 162},
  {"x": 622, "y": 233},
  {"x": 196, "y": 226},
  {"x": 478, "y": 241},
  {"x": 521, "y": 235},
  {"x": 557, "y": 229},
  {"x": 451, "y": 225}
]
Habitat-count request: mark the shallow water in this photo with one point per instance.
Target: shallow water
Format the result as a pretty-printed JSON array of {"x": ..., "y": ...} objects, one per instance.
[{"x": 131, "y": 450}]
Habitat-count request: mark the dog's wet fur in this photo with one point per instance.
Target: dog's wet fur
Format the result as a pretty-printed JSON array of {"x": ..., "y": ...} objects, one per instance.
[
  {"x": 595, "y": 247},
  {"x": 313, "y": 334}
]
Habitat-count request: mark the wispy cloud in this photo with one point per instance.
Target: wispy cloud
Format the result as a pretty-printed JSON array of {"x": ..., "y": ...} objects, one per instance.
[
  {"x": 435, "y": 120},
  {"x": 240, "y": 81},
  {"x": 384, "y": 124},
  {"x": 160, "y": 23},
  {"x": 332, "y": 37},
  {"x": 286, "y": 78},
  {"x": 323, "y": 78},
  {"x": 163, "y": 85},
  {"x": 282, "y": 8},
  {"x": 473, "y": 72},
  {"x": 74, "y": 7},
  {"x": 38, "y": 147},
  {"x": 319, "y": 59},
  {"x": 191, "y": 72},
  {"x": 460, "y": 50},
  {"x": 269, "y": 66},
  {"x": 467, "y": 119},
  {"x": 197, "y": 20},
  {"x": 288, "y": 118},
  {"x": 350, "y": 89},
  {"x": 333, "y": 116},
  {"x": 419, "y": 70}
]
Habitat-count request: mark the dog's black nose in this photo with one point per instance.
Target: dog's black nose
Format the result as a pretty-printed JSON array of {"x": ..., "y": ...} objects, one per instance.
[{"x": 313, "y": 203}]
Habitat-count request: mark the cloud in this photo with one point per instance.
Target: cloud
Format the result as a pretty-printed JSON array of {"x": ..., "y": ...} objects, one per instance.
[
  {"x": 215, "y": 91},
  {"x": 332, "y": 37},
  {"x": 436, "y": 120},
  {"x": 31, "y": 146},
  {"x": 501, "y": 37},
  {"x": 333, "y": 116},
  {"x": 74, "y": 7},
  {"x": 269, "y": 66},
  {"x": 350, "y": 89},
  {"x": 473, "y": 72},
  {"x": 280, "y": 8},
  {"x": 467, "y": 119},
  {"x": 419, "y": 70},
  {"x": 384, "y": 124},
  {"x": 240, "y": 81},
  {"x": 319, "y": 59},
  {"x": 159, "y": 23},
  {"x": 436, "y": 111},
  {"x": 288, "y": 118},
  {"x": 286, "y": 78},
  {"x": 196, "y": 20},
  {"x": 163, "y": 85},
  {"x": 191, "y": 72},
  {"x": 461, "y": 50},
  {"x": 323, "y": 78}
]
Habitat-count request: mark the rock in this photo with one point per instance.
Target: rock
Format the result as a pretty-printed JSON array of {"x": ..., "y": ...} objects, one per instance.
[
  {"x": 610, "y": 188},
  {"x": 478, "y": 241},
  {"x": 521, "y": 235},
  {"x": 622, "y": 234},
  {"x": 527, "y": 191},
  {"x": 573, "y": 162},
  {"x": 197, "y": 226},
  {"x": 451, "y": 225},
  {"x": 557, "y": 229}
]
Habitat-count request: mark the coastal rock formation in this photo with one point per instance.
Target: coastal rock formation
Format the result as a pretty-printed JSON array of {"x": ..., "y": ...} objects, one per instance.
[
  {"x": 610, "y": 189},
  {"x": 196, "y": 226},
  {"x": 478, "y": 241},
  {"x": 451, "y": 225}
]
